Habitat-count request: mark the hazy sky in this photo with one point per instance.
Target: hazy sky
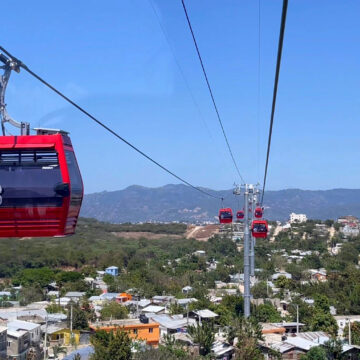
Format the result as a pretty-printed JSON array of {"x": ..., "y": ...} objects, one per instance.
[{"x": 113, "y": 58}]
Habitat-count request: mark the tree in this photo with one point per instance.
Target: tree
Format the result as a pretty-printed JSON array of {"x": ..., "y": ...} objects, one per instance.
[
  {"x": 355, "y": 333},
  {"x": 30, "y": 294},
  {"x": 322, "y": 320},
  {"x": 79, "y": 319},
  {"x": 260, "y": 290},
  {"x": 283, "y": 282},
  {"x": 114, "y": 345},
  {"x": 248, "y": 333},
  {"x": 113, "y": 310},
  {"x": 267, "y": 313},
  {"x": 333, "y": 349},
  {"x": 203, "y": 335},
  {"x": 68, "y": 276},
  {"x": 315, "y": 353},
  {"x": 42, "y": 277},
  {"x": 54, "y": 308}
]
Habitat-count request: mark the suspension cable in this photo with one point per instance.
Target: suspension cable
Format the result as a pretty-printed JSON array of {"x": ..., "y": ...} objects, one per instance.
[
  {"x": 21, "y": 64},
  {"x": 210, "y": 91},
  {"x": 182, "y": 73},
  {"x": 278, "y": 63}
]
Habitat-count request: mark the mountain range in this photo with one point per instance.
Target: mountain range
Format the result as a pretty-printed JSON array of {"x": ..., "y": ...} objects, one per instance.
[{"x": 182, "y": 203}]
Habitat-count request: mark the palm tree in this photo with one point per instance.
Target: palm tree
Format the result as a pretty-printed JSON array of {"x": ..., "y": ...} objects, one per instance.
[
  {"x": 57, "y": 349},
  {"x": 203, "y": 335}
]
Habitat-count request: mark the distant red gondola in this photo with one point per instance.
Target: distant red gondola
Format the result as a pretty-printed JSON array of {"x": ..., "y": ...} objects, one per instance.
[
  {"x": 41, "y": 189},
  {"x": 240, "y": 215},
  {"x": 225, "y": 216},
  {"x": 258, "y": 212},
  {"x": 259, "y": 228}
]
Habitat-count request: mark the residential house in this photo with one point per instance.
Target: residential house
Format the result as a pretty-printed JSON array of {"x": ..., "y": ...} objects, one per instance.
[
  {"x": 350, "y": 230},
  {"x": 33, "y": 329},
  {"x": 112, "y": 270},
  {"x": 185, "y": 302},
  {"x": 297, "y": 218},
  {"x": 201, "y": 315},
  {"x": 53, "y": 294},
  {"x": 5, "y": 295},
  {"x": 279, "y": 274},
  {"x": 18, "y": 344},
  {"x": 3, "y": 342},
  {"x": 123, "y": 297},
  {"x": 200, "y": 253},
  {"x": 221, "y": 350},
  {"x": 146, "y": 331},
  {"x": 163, "y": 300},
  {"x": 187, "y": 290},
  {"x": 343, "y": 322},
  {"x": 318, "y": 275},
  {"x": 154, "y": 309},
  {"x": 60, "y": 334},
  {"x": 75, "y": 295},
  {"x": 172, "y": 324}
]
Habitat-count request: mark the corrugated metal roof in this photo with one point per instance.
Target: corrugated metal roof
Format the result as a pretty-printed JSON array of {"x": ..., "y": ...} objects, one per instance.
[
  {"x": 206, "y": 313},
  {"x": 22, "y": 325},
  {"x": 154, "y": 308}
]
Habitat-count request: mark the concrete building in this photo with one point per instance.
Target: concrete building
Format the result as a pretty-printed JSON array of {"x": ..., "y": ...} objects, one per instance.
[
  {"x": 343, "y": 322},
  {"x": 297, "y": 218},
  {"x": 33, "y": 329},
  {"x": 149, "y": 332},
  {"x": 75, "y": 295},
  {"x": 18, "y": 344},
  {"x": 3, "y": 343}
]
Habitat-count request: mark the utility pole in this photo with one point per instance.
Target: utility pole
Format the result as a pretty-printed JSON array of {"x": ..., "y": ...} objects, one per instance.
[
  {"x": 248, "y": 190},
  {"x": 45, "y": 338},
  {"x": 297, "y": 319},
  {"x": 349, "y": 332},
  {"x": 71, "y": 322}
]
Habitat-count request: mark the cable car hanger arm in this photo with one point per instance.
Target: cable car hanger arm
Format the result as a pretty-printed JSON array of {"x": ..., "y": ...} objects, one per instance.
[{"x": 9, "y": 65}]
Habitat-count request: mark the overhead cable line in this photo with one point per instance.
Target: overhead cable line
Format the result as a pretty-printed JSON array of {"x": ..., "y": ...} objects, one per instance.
[
  {"x": 211, "y": 92},
  {"x": 258, "y": 94},
  {"x": 278, "y": 63},
  {"x": 22, "y": 65},
  {"x": 181, "y": 71}
]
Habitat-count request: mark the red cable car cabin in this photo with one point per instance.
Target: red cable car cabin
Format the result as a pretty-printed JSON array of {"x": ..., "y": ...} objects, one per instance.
[
  {"x": 225, "y": 216},
  {"x": 240, "y": 215},
  {"x": 259, "y": 228},
  {"x": 40, "y": 185},
  {"x": 258, "y": 212}
]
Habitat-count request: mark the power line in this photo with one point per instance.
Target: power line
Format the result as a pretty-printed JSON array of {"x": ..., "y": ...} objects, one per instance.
[
  {"x": 210, "y": 90},
  {"x": 278, "y": 63},
  {"x": 20, "y": 63}
]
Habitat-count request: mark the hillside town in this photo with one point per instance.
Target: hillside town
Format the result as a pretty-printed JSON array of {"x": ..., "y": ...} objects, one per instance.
[{"x": 290, "y": 303}]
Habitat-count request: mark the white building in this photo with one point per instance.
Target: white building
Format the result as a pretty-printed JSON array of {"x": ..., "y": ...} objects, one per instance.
[
  {"x": 297, "y": 218},
  {"x": 343, "y": 322}
]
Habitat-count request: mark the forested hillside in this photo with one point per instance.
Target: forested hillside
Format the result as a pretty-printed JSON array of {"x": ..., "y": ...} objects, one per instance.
[{"x": 181, "y": 203}]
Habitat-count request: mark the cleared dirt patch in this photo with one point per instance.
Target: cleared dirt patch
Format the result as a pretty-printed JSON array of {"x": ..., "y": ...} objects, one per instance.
[
  {"x": 202, "y": 233},
  {"x": 146, "y": 235}
]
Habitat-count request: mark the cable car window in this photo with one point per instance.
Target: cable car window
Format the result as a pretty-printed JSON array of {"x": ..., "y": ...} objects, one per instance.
[
  {"x": 75, "y": 178},
  {"x": 29, "y": 177}
]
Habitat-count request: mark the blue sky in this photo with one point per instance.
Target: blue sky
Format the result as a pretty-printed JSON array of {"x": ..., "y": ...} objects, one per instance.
[{"x": 115, "y": 61}]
